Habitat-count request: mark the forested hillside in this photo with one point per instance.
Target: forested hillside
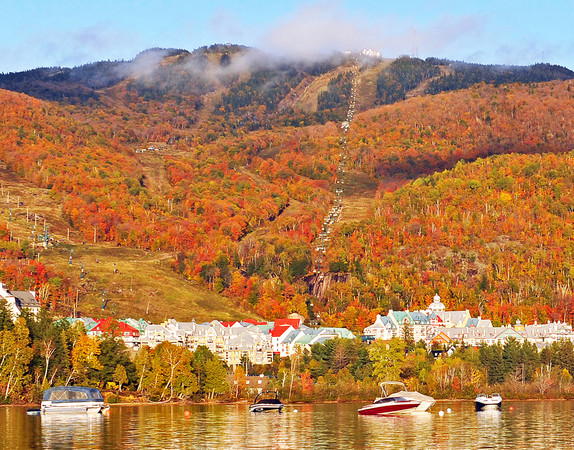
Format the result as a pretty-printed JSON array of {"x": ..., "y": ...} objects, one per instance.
[{"x": 228, "y": 169}]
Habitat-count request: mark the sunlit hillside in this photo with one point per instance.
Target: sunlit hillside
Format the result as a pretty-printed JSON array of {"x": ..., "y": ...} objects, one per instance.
[{"x": 222, "y": 183}]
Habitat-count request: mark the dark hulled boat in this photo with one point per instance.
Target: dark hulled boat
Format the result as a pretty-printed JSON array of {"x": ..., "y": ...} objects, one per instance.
[
  {"x": 266, "y": 401},
  {"x": 484, "y": 402}
]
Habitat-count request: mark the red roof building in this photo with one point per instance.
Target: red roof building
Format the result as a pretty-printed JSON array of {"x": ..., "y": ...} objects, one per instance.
[
  {"x": 279, "y": 330},
  {"x": 113, "y": 327},
  {"x": 291, "y": 322},
  {"x": 254, "y": 322}
]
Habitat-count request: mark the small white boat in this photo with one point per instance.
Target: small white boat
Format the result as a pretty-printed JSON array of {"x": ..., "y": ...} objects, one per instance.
[
  {"x": 73, "y": 400},
  {"x": 483, "y": 402},
  {"x": 401, "y": 402},
  {"x": 266, "y": 401}
]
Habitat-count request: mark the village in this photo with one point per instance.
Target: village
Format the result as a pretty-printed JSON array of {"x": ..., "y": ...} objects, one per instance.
[{"x": 259, "y": 341}]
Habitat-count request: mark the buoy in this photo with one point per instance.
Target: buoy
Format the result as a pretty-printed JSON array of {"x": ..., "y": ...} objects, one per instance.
[
  {"x": 449, "y": 410},
  {"x": 441, "y": 413},
  {"x": 187, "y": 413},
  {"x": 511, "y": 408}
]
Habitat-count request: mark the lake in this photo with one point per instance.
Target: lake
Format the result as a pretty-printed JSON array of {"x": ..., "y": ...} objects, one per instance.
[{"x": 531, "y": 424}]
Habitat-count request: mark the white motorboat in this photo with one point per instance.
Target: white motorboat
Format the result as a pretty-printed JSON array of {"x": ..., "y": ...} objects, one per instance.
[
  {"x": 388, "y": 405},
  {"x": 426, "y": 401},
  {"x": 73, "y": 400},
  {"x": 483, "y": 402},
  {"x": 401, "y": 402}
]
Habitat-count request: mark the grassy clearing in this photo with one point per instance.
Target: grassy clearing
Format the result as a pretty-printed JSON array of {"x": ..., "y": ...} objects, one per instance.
[
  {"x": 27, "y": 209},
  {"x": 308, "y": 99},
  {"x": 358, "y": 197},
  {"x": 367, "y": 86},
  {"x": 134, "y": 283},
  {"x": 356, "y": 209}
]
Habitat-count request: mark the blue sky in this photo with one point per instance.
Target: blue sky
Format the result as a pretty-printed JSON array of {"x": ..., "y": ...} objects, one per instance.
[{"x": 68, "y": 33}]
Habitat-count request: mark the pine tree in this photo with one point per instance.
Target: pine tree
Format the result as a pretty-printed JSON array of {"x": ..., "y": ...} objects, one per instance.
[{"x": 5, "y": 317}]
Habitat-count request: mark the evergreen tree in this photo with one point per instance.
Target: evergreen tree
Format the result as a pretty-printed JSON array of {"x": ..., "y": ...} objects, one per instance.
[
  {"x": 113, "y": 353},
  {"x": 491, "y": 358},
  {"x": 5, "y": 317},
  {"x": 511, "y": 355},
  {"x": 215, "y": 378},
  {"x": 361, "y": 367},
  {"x": 46, "y": 342},
  {"x": 563, "y": 355},
  {"x": 529, "y": 360},
  {"x": 200, "y": 357},
  {"x": 408, "y": 337}
]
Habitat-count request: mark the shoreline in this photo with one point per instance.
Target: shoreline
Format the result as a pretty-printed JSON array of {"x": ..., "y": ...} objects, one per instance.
[{"x": 247, "y": 402}]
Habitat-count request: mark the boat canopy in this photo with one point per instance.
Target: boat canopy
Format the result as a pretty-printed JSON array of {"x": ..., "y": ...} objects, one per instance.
[
  {"x": 267, "y": 397},
  {"x": 72, "y": 393},
  {"x": 385, "y": 385}
]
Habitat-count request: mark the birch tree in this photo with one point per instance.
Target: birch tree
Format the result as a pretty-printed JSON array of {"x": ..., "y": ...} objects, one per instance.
[
  {"x": 85, "y": 357},
  {"x": 387, "y": 358},
  {"x": 15, "y": 357}
]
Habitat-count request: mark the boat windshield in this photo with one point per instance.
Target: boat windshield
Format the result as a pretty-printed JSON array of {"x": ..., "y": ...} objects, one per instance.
[
  {"x": 391, "y": 400},
  {"x": 267, "y": 397},
  {"x": 72, "y": 394},
  {"x": 96, "y": 394}
]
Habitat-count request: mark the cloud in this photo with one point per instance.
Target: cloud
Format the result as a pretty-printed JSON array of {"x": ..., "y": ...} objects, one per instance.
[
  {"x": 312, "y": 31},
  {"x": 452, "y": 33},
  {"x": 74, "y": 48},
  {"x": 528, "y": 52},
  {"x": 93, "y": 44},
  {"x": 227, "y": 26},
  {"x": 325, "y": 27}
]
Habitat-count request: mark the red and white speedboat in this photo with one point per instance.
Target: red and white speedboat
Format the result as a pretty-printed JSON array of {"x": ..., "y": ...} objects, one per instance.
[
  {"x": 390, "y": 405},
  {"x": 403, "y": 402}
]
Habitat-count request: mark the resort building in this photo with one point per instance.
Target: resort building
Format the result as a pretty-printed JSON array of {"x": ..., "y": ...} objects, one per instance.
[
  {"x": 437, "y": 327},
  {"x": 233, "y": 342},
  {"x": 17, "y": 301}
]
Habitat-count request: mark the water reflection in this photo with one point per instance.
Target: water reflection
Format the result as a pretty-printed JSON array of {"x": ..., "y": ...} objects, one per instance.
[
  {"x": 489, "y": 416},
  {"x": 401, "y": 431},
  {"x": 540, "y": 424},
  {"x": 72, "y": 430}
]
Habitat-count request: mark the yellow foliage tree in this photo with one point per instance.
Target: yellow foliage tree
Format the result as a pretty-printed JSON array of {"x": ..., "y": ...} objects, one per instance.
[{"x": 84, "y": 357}]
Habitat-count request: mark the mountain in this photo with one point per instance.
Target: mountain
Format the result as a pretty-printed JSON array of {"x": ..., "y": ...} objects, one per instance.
[{"x": 231, "y": 167}]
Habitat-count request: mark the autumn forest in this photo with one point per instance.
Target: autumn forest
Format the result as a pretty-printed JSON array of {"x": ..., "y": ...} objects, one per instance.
[{"x": 456, "y": 180}]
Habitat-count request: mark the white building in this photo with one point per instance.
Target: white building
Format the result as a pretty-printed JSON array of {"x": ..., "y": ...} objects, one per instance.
[
  {"x": 17, "y": 301},
  {"x": 436, "y": 325},
  {"x": 383, "y": 328}
]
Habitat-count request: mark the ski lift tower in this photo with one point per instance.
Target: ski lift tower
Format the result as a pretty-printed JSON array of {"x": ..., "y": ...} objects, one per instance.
[{"x": 45, "y": 237}]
